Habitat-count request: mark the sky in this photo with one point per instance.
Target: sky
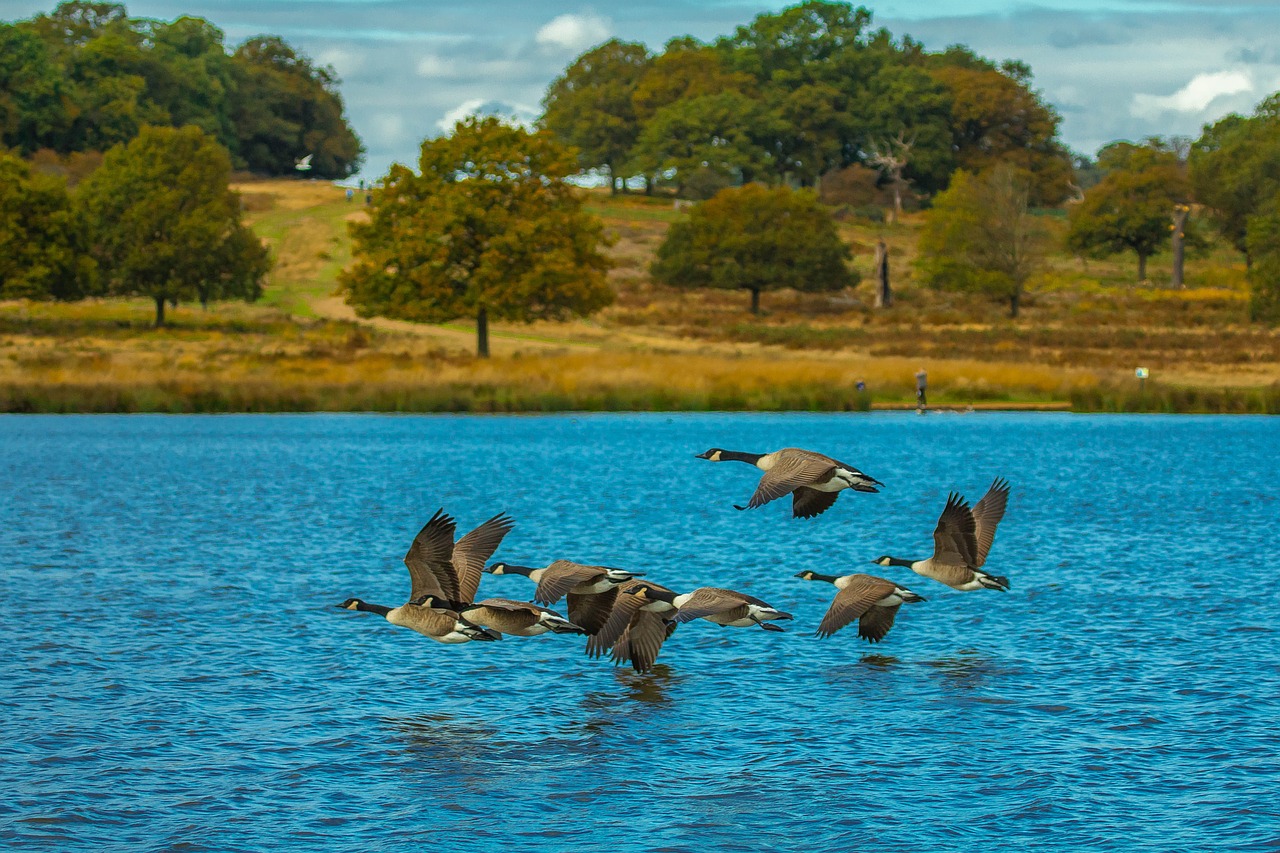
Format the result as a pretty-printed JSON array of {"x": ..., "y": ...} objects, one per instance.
[{"x": 1114, "y": 69}]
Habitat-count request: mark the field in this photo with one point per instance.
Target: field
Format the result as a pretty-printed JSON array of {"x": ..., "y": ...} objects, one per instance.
[{"x": 1085, "y": 326}]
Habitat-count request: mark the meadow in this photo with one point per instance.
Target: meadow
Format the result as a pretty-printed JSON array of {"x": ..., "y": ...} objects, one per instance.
[{"x": 1085, "y": 325}]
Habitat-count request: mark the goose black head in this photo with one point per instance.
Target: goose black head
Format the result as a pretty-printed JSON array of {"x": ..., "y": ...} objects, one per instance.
[
  {"x": 496, "y": 568},
  {"x": 350, "y": 604},
  {"x": 806, "y": 574},
  {"x": 883, "y": 561},
  {"x": 712, "y": 455}
]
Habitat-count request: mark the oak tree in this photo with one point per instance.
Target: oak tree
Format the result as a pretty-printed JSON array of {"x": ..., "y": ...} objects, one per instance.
[{"x": 42, "y": 251}]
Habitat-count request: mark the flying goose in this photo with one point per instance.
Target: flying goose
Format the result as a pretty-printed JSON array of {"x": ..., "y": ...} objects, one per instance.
[
  {"x": 591, "y": 590},
  {"x": 725, "y": 607},
  {"x": 505, "y": 616},
  {"x": 961, "y": 542},
  {"x": 433, "y": 562},
  {"x": 812, "y": 479},
  {"x": 636, "y": 628},
  {"x": 873, "y": 601}
]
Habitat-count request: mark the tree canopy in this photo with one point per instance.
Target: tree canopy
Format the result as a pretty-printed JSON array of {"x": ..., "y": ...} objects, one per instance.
[
  {"x": 755, "y": 238},
  {"x": 42, "y": 249},
  {"x": 980, "y": 236},
  {"x": 487, "y": 228},
  {"x": 165, "y": 225},
  {"x": 86, "y": 76}
]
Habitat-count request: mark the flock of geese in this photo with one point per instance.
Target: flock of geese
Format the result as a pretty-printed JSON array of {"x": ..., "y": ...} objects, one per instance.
[{"x": 630, "y": 618}]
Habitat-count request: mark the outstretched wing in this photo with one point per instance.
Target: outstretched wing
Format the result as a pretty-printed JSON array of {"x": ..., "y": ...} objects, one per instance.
[
  {"x": 876, "y": 622},
  {"x": 853, "y": 602},
  {"x": 954, "y": 540},
  {"x": 807, "y": 502},
  {"x": 590, "y": 611},
  {"x": 428, "y": 560},
  {"x": 987, "y": 514},
  {"x": 642, "y": 640},
  {"x": 562, "y": 576},
  {"x": 708, "y": 601},
  {"x": 625, "y": 606},
  {"x": 471, "y": 552},
  {"x": 790, "y": 472}
]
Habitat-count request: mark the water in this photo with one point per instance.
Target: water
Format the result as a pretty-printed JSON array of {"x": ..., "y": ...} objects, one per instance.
[{"x": 176, "y": 676}]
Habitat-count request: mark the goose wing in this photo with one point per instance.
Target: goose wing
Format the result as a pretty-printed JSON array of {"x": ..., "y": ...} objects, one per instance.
[
  {"x": 590, "y": 611},
  {"x": 708, "y": 601},
  {"x": 807, "y": 502},
  {"x": 625, "y": 606},
  {"x": 643, "y": 639},
  {"x": 954, "y": 539},
  {"x": 854, "y": 601},
  {"x": 987, "y": 514},
  {"x": 428, "y": 560},
  {"x": 792, "y": 468},
  {"x": 562, "y": 576},
  {"x": 472, "y": 551},
  {"x": 876, "y": 622}
]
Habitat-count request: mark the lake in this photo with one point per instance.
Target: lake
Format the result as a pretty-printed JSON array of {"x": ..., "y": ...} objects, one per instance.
[{"x": 176, "y": 676}]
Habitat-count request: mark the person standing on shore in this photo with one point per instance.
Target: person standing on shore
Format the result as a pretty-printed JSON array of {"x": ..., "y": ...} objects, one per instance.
[{"x": 922, "y": 383}]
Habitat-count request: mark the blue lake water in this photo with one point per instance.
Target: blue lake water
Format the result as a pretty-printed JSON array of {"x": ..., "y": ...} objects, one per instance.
[{"x": 175, "y": 675}]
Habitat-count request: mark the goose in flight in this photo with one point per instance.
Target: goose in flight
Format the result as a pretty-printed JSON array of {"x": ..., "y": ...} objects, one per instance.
[
  {"x": 961, "y": 542},
  {"x": 873, "y": 601},
  {"x": 440, "y": 570},
  {"x": 636, "y": 628},
  {"x": 304, "y": 164},
  {"x": 812, "y": 479},
  {"x": 591, "y": 590},
  {"x": 725, "y": 607},
  {"x": 518, "y": 618}
]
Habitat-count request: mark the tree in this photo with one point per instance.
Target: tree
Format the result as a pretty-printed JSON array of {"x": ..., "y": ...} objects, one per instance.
[
  {"x": 285, "y": 108},
  {"x": 42, "y": 252},
  {"x": 33, "y": 114},
  {"x": 488, "y": 227},
  {"x": 754, "y": 238},
  {"x": 979, "y": 236},
  {"x": 1235, "y": 169},
  {"x": 165, "y": 225},
  {"x": 709, "y": 133},
  {"x": 1130, "y": 208},
  {"x": 1264, "y": 273},
  {"x": 590, "y": 105}
]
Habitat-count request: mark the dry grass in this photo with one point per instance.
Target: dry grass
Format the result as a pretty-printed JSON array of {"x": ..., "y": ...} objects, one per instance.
[{"x": 1084, "y": 327}]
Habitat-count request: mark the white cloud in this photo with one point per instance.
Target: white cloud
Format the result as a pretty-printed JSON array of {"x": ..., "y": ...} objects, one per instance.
[
  {"x": 514, "y": 114},
  {"x": 435, "y": 66},
  {"x": 1196, "y": 96},
  {"x": 573, "y": 32}
]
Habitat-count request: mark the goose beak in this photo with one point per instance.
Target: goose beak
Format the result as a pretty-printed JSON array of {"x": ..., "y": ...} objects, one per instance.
[
  {"x": 786, "y": 616},
  {"x": 701, "y": 456}
]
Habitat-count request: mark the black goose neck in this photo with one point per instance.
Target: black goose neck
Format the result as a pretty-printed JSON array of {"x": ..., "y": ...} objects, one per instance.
[
  {"x": 380, "y": 609},
  {"x": 740, "y": 456}
]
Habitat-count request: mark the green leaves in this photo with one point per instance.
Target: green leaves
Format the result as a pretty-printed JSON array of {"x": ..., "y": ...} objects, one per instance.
[
  {"x": 487, "y": 223},
  {"x": 42, "y": 250}
]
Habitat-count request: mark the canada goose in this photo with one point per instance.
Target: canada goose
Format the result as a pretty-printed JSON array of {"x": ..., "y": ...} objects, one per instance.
[
  {"x": 873, "y": 601},
  {"x": 636, "y": 628},
  {"x": 519, "y": 618},
  {"x": 961, "y": 542},
  {"x": 812, "y": 479},
  {"x": 451, "y": 570},
  {"x": 590, "y": 590},
  {"x": 430, "y": 561},
  {"x": 725, "y": 607}
]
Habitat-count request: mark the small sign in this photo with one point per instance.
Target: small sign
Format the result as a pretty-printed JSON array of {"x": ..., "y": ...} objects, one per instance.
[{"x": 1141, "y": 373}]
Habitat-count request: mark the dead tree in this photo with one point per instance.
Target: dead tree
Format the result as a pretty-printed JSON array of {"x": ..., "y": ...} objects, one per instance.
[
  {"x": 1180, "y": 214},
  {"x": 892, "y": 158},
  {"x": 884, "y": 296}
]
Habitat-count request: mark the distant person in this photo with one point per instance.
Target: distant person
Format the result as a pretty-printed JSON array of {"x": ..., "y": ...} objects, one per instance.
[
  {"x": 368, "y": 198},
  {"x": 861, "y": 386},
  {"x": 351, "y": 194},
  {"x": 922, "y": 383}
]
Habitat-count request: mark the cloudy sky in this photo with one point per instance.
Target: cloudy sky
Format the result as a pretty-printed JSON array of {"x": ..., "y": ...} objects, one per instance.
[{"x": 1114, "y": 69}]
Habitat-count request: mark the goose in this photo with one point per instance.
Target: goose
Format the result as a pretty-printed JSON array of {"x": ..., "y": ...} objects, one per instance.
[
  {"x": 725, "y": 607},
  {"x": 304, "y": 164},
  {"x": 590, "y": 590},
  {"x": 518, "y": 618},
  {"x": 873, "y": 601},
  {"x": 961, "y": 542},
  {"x": 812, "y": 479},
  {"x": 433, "y": 561},
  {"x": 636, "y": 628}
]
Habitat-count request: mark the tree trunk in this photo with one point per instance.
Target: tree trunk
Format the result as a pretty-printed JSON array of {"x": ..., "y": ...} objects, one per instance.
[
  {"x": 884, "y": 296},
  {"x": 755, "y": 300},
  {"x": 160, "y": 300},
  {"x": 1014, "y": 299},
  {"x": 1180, "y": 214},
  {"x": 613, "y": 180},
  {"x": 897, "y": 200},
  {"x": 482, "y": 333},
  {"x": 1142, "y": 267}
]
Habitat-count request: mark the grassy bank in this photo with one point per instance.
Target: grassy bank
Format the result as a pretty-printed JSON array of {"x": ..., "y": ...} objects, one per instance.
[{"x": 1084, "y": 328}]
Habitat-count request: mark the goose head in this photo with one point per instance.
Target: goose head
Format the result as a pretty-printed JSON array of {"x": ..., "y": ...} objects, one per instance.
[
  {"x": 496, "y": 568},
  {"x": 712, "y": 455},
  {"x": 350, "y": 604},
  {"x": 883, "y": 561},
  {"x": 806, "y": 575}
]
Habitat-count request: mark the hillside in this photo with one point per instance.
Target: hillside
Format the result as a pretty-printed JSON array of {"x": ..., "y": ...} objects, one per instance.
[{"x": 1084, "y": 328}]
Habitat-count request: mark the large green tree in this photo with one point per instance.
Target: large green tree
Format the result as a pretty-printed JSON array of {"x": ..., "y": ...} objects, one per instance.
[
  {"x": 43, "y": 254},
  {"x": 590, "y": 106},
  {"x": 1130, "y": 208},
  {"x": 754, "y": 238},
  {"x": 33, "y": 112},
  {"x": 487, "y": 228},
  {"x": 1264, "y": 272},
  {"x": 165, "y": 224},
  {"x": 980, "y": 237}
]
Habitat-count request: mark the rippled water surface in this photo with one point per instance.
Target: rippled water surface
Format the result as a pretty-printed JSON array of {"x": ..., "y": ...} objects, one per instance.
[{"x": 175, "y": 675}]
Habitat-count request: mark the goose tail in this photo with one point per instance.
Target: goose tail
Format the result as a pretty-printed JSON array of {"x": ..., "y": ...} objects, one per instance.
[{"x": 999, "y": 582}]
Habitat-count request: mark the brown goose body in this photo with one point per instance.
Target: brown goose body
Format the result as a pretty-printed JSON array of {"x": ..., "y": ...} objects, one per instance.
[
  {"x": 813, "y": 480},
  {"x": 961, "y": 542},
  {"x": 873, "y": 601},
  {"x": 636, "y": 628},
  {"x": 725, "y": 607},
  {"x": 590, "y": 591},
  {"x": 519, "y": 618}
]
